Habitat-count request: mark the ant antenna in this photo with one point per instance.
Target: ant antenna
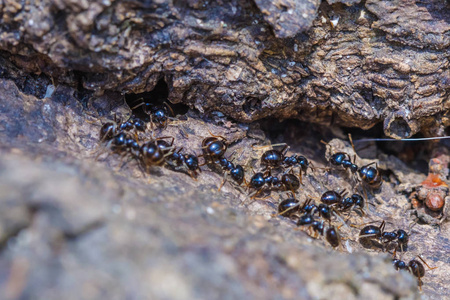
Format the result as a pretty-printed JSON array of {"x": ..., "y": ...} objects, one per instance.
[{"x": 351, "y": 142}]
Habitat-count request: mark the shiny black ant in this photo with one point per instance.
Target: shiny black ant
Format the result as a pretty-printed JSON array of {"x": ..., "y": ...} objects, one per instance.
[
  {"x": 351, "y": 203},
  {"x": 287, "y": 181},
  {"x": 236, "y": 172},
  {"x": 342, "y": 159},
  {"x": 331, "y": 234},
  {"x": 158, "y": 114},
  {"x": 276, "y": 159},
  {"x": 152, "y": 155},
  {"x": 372, "y": 232},
  {"x": 288, "y": 207},
  {"x": 332, "y": 197},
  {"x": 133, "y": 123},
  {"x": 414, "y": 266},
  {"x": 273, "y": 158},
  {"x": 371, "y": 176},
  {"x": 116, "y": 140},
  {"x": 121, "y": 143},
  {"x": 213, "y": 147},
  {"x": 291, "y": 207},
  {"x": 111, "y": 129},
  {"x": 330, "y": 201},
  {"x": 176, "y": 159}
]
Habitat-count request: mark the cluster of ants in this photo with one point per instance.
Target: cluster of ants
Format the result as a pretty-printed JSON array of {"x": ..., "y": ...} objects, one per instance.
[
  {"x": 122, "y": 138},
  {"x": 334, "y": 204}
]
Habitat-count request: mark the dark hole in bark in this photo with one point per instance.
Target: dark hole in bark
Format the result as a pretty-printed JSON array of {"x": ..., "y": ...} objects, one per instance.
[
  {"x": 400, "y": 128},
  {"x": 30, "y": 84},
  {"x": 158, "y": 97},
  {"x": 83, "y": 95}
]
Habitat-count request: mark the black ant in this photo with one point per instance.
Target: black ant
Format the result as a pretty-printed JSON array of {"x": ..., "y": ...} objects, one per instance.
[
  {"x": 291, "y": 206},
  {"x": 152, "y": 155},
  {"x": 332, "y": 197},
  {"x": 119, "y": 141},
  {"x": 175, "y": 158},
  {"x": 178, "y": 159},
  {"x": 288, "y": 207},
  {"x": 236, "y": 172},
  {"x": 108, "y": 131},
  {"x": 414, "y": 266},
  {"x": 372, "y": 232},
  {"x": 371, "y": 176},
  {"x": 331, "y": 234},
  {"x": 273, "y": 158},
  {"x": 276, "y": 158},
  {"x": 133, "y": 123},
  {"x": 351, "y": 203},
  {"x": 342, "y": 159},
  {"x": 132, "y": 147},
  {"x": 158, "y": 114},
  {"x": 111, "y": 129},
  {"x": 326, "y": 208},
  {"x": 213, "y": 147},
  {"x": 288, "y": 181}
]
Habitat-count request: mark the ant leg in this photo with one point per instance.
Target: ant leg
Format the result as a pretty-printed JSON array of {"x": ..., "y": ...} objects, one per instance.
[
  {"x": 121, "y": 162},
  {"x": 223, "y": 181},
  {"x": 365, "y": 194},
  {"x": 193, "y": 175},
  {"x": 170, "y": 108},
  {"x": 137, "y": 106},
  {"x": 107, "y": 146},
  {"x": 166, "y": 137},
  {"x": 431, "y": 268},
  {"x": 363, "y": 213},
  {"x": 420, "y": 283},
  {"x": 267, "y": 146},
  {"x": 288, "y": 209},
  {"x": 217, "y": 136},
  {"x": 256, "y": 194},
  {"x": 284, "y": 150},
  {"x": 100, "y": 153},
  {"x": 364, "y": 224},
  {"x": 202, "y": 164},
  {"x": 339, "y": 218},
  {"x": 382, "y": 226},
  {"x": 183, "y": 132},
  {"x": 371, "y": 164}
]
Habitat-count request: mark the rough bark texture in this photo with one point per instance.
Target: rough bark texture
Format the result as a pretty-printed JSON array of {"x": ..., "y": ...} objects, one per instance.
[{"x": 381, "y": 61}]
